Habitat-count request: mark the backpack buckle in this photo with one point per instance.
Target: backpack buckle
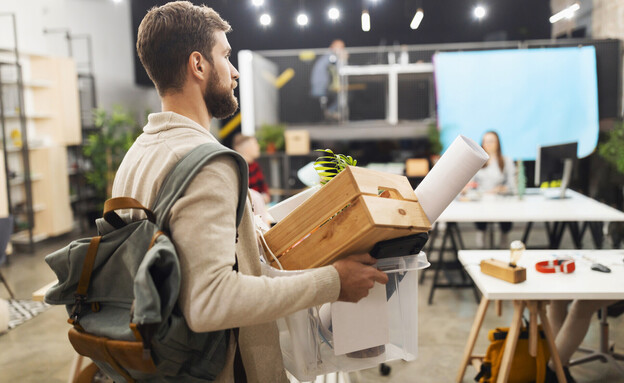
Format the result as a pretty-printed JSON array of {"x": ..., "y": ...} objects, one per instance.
[{"x": 79, "y": 300}]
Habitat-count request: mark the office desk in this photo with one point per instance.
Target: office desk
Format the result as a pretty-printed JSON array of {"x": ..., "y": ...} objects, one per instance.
[
  {"x": 534, "y": 207},
  {"x": 534, "y": 294}
]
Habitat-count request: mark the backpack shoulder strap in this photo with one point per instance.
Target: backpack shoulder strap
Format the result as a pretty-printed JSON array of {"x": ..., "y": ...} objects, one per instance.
[{"x": 183, "y": 172}]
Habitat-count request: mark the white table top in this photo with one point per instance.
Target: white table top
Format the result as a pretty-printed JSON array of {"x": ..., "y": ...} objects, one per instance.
[
  {"x": 583, "y": 283},
  {"x": 532, "y": 208}
]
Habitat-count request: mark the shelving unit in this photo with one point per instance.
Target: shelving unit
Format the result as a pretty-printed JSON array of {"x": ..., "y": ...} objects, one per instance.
[
  {"x": 82, "y": 196},
  {"x": 39, "y": 118}
]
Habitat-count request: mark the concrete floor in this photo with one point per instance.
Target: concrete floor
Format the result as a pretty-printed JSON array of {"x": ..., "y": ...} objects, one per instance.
[{"x": 38, "y": 351}]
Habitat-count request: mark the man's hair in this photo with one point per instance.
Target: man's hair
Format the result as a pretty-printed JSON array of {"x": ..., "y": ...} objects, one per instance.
[
  {"x": 169, "y": 34},
  {"x": 239, "y": 140}
]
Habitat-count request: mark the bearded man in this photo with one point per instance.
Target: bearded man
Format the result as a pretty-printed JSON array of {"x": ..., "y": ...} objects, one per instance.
[{"x": 185, "y": 51}]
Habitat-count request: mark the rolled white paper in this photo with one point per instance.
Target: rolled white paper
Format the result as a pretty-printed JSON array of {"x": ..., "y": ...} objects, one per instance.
[{"x": 461, "y": 161}]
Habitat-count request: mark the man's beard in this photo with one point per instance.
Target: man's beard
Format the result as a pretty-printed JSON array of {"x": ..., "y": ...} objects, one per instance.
[{"x": 219, "y": 100}]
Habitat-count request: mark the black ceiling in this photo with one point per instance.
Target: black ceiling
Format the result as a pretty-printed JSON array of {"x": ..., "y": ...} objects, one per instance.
[{"x": 445, "y": 21}]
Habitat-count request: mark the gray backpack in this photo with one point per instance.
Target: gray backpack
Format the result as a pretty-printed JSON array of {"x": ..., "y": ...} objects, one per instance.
[{"x": 121, "y": 288}]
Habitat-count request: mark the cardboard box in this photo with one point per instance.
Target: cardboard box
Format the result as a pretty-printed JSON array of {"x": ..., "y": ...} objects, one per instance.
[
  {"x": 416, "y": 167},
  {"x": 346, "y": 216},
  {"x": 297, "y": 142}
]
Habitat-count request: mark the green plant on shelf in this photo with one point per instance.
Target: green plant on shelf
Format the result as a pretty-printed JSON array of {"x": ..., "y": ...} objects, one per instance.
[
  {"x": 271, "y": 137},
  {"x": 329, "y": 165},
  {"x": 117, "y": 131}
]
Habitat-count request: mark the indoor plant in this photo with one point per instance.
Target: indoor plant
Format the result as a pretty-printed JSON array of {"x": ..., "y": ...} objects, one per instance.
[
  {"x": 435, "y": 145},
  {"x": 612, "y": 149},
  {"x": 106, "y": 148},
  {"x": 271, "y": 137}
]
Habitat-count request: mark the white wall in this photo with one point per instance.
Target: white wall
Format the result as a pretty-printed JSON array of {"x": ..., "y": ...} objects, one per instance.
[{"x": 110, "y": 27}]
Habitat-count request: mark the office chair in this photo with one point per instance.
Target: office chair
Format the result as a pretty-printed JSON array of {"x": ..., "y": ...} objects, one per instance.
[
  {"x": 606, "y": 352},
  {"x": 6, "y": 229}
]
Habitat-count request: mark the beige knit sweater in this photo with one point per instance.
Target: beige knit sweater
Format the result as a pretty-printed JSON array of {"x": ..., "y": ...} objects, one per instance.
[{"x": 213, "y": 296}]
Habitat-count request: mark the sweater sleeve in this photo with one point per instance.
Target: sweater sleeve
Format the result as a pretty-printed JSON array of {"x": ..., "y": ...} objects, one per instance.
[{"x": 213, "y": 296}]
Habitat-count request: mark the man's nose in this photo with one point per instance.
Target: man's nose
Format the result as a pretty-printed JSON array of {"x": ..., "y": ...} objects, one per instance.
[{"x": 235, "y": 74}]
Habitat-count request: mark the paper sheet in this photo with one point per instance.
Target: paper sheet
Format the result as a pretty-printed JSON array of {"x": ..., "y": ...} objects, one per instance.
[
  {"x": 461, "y": 161},
  {"x": 362, "y": 325}
]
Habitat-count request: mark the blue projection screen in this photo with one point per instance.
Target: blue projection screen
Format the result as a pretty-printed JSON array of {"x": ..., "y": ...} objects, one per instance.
[{"x": 530, "y": 97}]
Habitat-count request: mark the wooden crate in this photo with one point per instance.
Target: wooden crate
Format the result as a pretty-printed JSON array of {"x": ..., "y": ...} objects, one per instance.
[
  {"x": 297, "y": 142},
  {"x": 346, "y": 216}
]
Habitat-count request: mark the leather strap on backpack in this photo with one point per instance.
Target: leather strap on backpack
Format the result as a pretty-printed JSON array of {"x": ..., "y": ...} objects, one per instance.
[
  {"x": 119, "y": 203},
  {"x": 85, "y": 278}
]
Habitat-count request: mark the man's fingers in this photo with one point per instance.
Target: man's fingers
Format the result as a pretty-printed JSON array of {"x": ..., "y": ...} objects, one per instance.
[
  {"x": 364, "y": 258},
  {"x": 381, "y": 277}
]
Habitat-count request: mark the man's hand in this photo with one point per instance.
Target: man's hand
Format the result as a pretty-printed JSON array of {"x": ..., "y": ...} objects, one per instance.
[{"x": 358, "y": 276}]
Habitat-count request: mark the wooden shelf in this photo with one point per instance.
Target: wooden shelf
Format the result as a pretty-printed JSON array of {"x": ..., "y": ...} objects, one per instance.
[
  {"x": 21, "y": 238},
  {"x": 29, "y": 116},
  {"x": 19, "y": 180},
  {"x": 34, "y": 84}
]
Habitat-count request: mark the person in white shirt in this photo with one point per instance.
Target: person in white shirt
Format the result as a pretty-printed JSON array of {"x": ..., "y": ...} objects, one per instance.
[{"x": 496, "y": 177}]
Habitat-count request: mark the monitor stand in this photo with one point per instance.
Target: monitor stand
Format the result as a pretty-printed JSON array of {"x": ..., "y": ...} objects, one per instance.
[{"x": 560, "y": 192}]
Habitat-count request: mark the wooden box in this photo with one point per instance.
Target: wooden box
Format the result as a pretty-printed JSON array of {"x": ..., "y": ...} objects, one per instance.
[
  {"x": 297, "y": 142},
  {"x": 344, "y": 217},
  {"x": 502, "y": 270},
  {"x": 416, "y": 167}
]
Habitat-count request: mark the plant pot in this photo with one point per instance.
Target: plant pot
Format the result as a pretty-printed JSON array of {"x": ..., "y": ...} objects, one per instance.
[{"x": 270, "y": 148}]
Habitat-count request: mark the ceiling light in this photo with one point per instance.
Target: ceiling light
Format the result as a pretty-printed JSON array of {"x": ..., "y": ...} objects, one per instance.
[
  {"x": 479, "y": 12},
  {"x": 116, "y": 1},
  {"x": 302, "y": 19},
  {"x": 365, "y": 21},
  {"x": 257, "y": 3},
  {"x": 417, "y": 19},
  {"x": 333, "y": 13},
  {"x": 567, "y": 13},
  {"x": 265, "y": 19}
]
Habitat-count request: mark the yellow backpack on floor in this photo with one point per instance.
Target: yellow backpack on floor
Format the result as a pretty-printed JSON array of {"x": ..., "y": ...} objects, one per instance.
[{"x": 524, "y": 367}]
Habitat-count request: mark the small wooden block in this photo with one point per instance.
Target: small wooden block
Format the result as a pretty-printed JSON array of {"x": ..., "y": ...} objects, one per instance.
[{"x": 502, "y": 270}]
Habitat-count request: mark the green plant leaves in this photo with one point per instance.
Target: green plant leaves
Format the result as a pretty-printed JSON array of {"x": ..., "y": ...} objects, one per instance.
[
  {"x": 106, "y": 148},
  {"x": 329, "y": 165},
  {"x": 612, "y": 149}
]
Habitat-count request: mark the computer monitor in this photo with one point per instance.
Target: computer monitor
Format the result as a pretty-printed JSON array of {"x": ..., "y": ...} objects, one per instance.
[{"x": 555, "y": 162}]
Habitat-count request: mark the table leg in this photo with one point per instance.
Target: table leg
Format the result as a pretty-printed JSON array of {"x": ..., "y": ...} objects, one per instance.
[
  {"x": 533, "y": 329},
  {"x": 432, "y": 238},
  {"x": 597, "y": 235},
  {"x": 511, "y": 342},
  {"x": 75, "y": 368},
  {"x": 527, "y": 231},
  {"x": 499, "y": 307},
  {"x": 472, "y": 338},
  {"x": 550, "y": 338},
  {"x": 577, "y": 238},
  {"x": 439, "y": 265}
]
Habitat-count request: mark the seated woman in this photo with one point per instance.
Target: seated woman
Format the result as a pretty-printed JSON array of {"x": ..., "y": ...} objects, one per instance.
[
  {"x": 570, "y": 324},
  {"x": 496, "y": 177}
]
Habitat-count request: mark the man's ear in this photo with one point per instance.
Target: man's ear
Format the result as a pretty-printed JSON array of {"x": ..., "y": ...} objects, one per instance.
[{"x": 198, "y": 67}]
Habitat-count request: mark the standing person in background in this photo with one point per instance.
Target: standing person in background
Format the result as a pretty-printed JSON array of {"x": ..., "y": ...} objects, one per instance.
[
  {"x": 324, "y": 80},
  {"x": 249, "y": 148},
  {"x": 496, "y": 177}
]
